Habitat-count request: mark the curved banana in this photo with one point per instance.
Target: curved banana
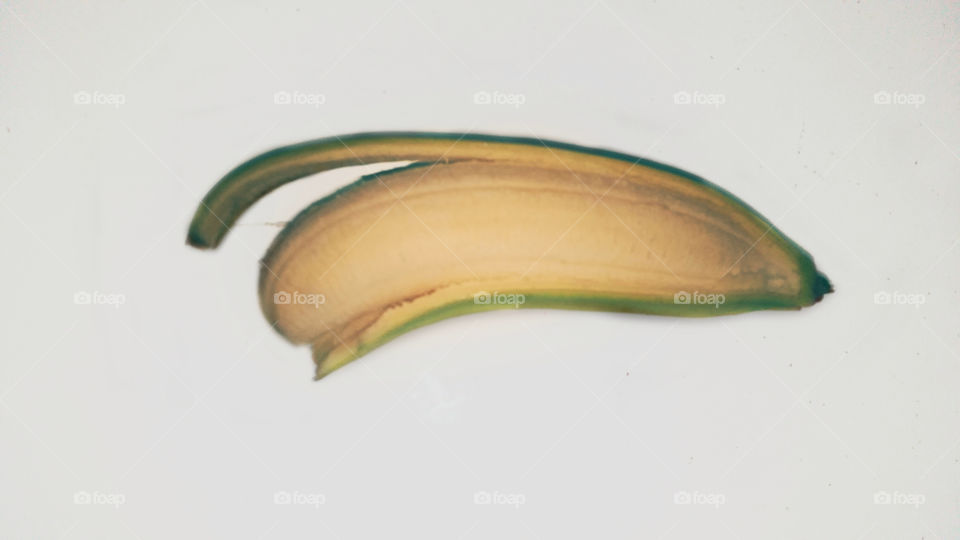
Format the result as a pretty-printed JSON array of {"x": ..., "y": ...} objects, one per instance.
[{"x": 481, "y": 222}]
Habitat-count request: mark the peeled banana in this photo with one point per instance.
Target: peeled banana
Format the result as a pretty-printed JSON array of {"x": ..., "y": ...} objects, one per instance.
[{"x": 481, "y": 222}]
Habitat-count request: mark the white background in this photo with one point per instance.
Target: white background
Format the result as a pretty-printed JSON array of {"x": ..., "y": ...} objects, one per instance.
[{"x": 182, "y": 404}]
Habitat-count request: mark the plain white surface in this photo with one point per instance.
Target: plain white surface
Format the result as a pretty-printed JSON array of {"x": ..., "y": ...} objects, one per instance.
[{"x": 180, "y": 414}]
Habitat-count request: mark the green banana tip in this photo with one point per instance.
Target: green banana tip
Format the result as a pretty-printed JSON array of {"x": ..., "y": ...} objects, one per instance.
[
  {"x": 821, "y": 286},
  {"x": 197, "y": 240}
]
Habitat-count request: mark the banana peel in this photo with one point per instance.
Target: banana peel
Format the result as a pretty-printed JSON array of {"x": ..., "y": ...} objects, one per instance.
[{"x": 481, "y": 222}]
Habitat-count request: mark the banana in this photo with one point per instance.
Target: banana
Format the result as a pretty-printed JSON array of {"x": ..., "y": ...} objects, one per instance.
[{"x": 480, "y": 222}]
